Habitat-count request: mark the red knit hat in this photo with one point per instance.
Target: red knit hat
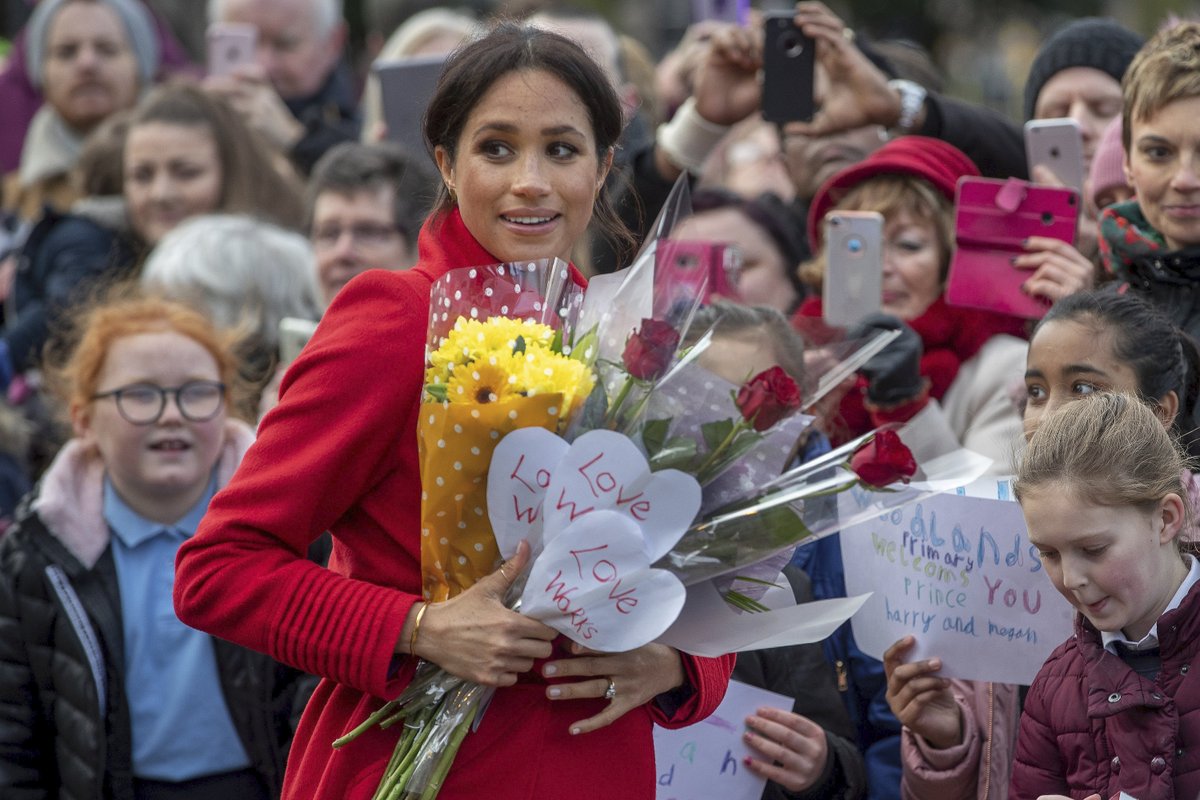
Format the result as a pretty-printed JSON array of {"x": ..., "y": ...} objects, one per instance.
[{"x": 938, "y": 163}]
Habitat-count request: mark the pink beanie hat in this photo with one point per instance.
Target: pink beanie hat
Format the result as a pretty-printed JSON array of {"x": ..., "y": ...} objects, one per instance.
[{"x": 1108, "y": 162}]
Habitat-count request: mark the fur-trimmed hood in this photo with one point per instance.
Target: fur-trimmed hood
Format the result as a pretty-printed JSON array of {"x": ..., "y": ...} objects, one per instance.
[{"x": 70, "y": 499}]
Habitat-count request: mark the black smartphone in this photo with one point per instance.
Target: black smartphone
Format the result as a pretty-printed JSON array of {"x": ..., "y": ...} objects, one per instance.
[{"x": 788, "y": 63}]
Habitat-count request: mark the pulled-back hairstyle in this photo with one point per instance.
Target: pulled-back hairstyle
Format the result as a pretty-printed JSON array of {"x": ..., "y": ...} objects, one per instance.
[
  {"x": 1166, "y": 69},
  {"x": 127, "y": 311},
  {"x": 1163, "y": 358},
  {"x": 473, "y": 69},
  {"x": 1111, "y": 448}
]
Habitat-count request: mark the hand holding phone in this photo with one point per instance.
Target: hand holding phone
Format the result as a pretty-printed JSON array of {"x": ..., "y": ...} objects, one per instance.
[
  {"x": 853, "y": 284},
  {"x": 230, "y": 45},
  {"x": 993, "y": 218},
  {"x": 788, "y": 69},
  {"x": 1057, "y": 145}
]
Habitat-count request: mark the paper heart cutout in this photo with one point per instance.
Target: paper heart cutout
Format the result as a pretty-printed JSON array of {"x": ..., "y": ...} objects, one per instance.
[
  {"x": 604, "y": 470},
  {"x": 594, "y": 584},
  {"x": 522, "y": 465}
]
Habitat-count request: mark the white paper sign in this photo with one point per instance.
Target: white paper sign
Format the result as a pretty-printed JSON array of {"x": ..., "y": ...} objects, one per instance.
[
  {"x": 709, "y": 627},
  {"x": 522, "y": 465},
  {"x": 958, "y": 573},
  {"x": 605, "y": 470},
  {"x": 705, "y": 761},
  {"x": 593, "y": 583}
]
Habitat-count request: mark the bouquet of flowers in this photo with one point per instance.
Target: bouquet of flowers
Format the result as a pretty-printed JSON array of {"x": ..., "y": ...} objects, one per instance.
[{"x": 665, "y": 476}]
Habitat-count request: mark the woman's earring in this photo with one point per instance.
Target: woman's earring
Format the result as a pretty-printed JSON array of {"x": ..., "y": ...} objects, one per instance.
[{"x": 453, "y": 196}]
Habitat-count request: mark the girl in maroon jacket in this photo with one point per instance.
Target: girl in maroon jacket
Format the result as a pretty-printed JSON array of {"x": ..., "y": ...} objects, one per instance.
[
  {"x": 1114, "y": 708},
  {"x": 523, "y": 127}
]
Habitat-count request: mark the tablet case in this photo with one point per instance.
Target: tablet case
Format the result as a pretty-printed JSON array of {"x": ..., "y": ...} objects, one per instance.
[{"x": 992, "y": 219}]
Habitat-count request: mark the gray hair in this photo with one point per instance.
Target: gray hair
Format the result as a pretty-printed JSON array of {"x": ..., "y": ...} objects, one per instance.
[
  {"x": 725, "y": 318},
  {"x": 328, "y": 13},
  {"x": 139, "y": 27},
  {"x": 245, "y": 273}
]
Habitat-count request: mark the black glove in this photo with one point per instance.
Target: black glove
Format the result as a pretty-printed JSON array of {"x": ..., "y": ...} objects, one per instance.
[{"x": 894, "y": 373}]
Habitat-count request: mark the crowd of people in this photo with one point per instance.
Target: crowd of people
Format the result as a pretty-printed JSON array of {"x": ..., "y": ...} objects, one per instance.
[{"x": 210, "y": 562}]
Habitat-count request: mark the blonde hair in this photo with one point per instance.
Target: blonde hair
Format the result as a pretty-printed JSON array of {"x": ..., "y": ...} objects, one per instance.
[
  {"x": 1166, "y": 69},
  {"x": 1111, "y": 448},
  {"x": 893, "y": 194}
]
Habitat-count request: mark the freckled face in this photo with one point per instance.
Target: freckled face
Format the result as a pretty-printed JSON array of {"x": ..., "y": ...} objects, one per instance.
[{"x": 1117, "y": 565}]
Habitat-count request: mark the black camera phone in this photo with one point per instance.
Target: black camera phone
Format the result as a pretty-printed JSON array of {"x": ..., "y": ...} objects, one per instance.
[{"x": 788, "y": 64}]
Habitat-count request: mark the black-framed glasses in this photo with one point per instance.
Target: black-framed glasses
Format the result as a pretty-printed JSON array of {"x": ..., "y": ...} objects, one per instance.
[{"x": 144, "y": 403}]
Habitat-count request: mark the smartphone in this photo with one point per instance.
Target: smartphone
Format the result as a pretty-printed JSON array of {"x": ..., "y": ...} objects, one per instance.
[
  {"x": 688, "y": 270},
  {"x": 294, "y": 333},
  {"x": 736, "y": 12},
  {"x": 853, "y": 284},
  {"x": 230, "y": 45},
  {"x": 788, "y": 69},
  {"x": 1056, "y": 144},
  {"x": 991, "y": 220},
  {"x": 405, "y": 87}
]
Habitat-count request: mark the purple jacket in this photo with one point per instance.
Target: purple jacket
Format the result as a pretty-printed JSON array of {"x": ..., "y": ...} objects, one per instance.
[{"x": 1092, "y": 724}]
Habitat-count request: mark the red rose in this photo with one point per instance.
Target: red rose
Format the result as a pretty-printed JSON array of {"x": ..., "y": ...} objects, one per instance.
[
  {"x": 768, "y": 397},
  {"x": 649, "y": 350},
  {"x": 883, "y": 460}
]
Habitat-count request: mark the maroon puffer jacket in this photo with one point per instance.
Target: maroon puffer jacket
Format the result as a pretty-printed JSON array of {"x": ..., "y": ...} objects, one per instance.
[{"x": 1091, "y": 724}]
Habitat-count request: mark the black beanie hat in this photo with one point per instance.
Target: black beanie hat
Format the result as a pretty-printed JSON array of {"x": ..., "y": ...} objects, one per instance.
[{"x": 1095, "y": 42}]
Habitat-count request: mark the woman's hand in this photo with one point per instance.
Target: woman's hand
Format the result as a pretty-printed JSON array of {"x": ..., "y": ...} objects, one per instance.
[
  {"x": 795, "y": 748},
  {"x": 922, "y": 701},
  {"x": 637, "y": 676},
  {"x": 473, "y": 636},
  {"x": 1058, "y": 268}
]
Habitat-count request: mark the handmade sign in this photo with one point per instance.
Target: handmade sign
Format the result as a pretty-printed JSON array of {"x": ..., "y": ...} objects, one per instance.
[
  {"x": 538, "y": 486},
  {"x": 957, "y": 571},
  {"x": 705, "y": 761},
  {"x": 594, "y": 584}
]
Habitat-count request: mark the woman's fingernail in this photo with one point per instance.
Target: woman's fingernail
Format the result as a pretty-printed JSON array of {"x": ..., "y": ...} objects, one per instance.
[
  {"x": 576, "y": 731},
  {"x": 549, "y": 670},
  {"x": 746, "y": 760},
  {"x": 554, "y": 691}
]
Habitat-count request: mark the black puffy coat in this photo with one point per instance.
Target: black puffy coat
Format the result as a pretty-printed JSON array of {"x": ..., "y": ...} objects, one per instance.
[{"x": 65, "y": 729}]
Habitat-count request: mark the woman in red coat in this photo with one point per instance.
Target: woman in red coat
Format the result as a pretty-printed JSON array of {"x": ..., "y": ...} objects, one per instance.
[{"x": 523, "y": 127}]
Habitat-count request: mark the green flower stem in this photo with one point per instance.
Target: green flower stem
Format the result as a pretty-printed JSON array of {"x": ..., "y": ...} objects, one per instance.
[
  {"x": 404, "y": 771},
  {"x": 610, "y": 419},
  {"x": 383, "y": 712},
  {"x": 711, "y": 463},
  {"x": 448, "y": 755}
]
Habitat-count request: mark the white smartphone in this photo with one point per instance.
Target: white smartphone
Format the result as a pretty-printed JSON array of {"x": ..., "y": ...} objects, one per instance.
[
  {"x": 1056, "y": 144},
  {"x": 294, "y": 333},
  {"x": 853, "y": 283},
  {"x": 230, "y": 45},
  {"x": 405, "y": 88}
]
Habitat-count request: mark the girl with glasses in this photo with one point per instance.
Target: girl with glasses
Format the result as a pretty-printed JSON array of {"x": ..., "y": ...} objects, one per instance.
[{"x": 108, "y": 693}]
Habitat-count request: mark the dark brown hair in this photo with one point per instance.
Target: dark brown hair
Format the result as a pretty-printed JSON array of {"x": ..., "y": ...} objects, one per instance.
[{"x": 472, "y": 70}]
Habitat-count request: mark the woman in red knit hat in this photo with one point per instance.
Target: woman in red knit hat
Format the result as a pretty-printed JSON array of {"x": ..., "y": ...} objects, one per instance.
[{"x": 948, "y": 372}]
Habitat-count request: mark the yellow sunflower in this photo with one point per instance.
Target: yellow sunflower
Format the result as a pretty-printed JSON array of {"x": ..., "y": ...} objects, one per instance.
[
  {"x": 481, "y": 382},
  {"x": 545, "y": 372}
]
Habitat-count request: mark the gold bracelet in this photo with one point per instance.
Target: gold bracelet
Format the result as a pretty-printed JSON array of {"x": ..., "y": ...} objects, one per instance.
[{"x": 412, "y": 639}]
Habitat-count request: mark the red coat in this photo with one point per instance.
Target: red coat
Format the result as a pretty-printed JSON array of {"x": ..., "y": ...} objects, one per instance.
[
  {"x": 1091, "y": 724},
  {"x": 339, "y": 453}
]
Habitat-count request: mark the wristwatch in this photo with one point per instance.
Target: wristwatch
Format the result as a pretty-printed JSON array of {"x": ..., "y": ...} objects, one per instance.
[{"x": 912, "y": 98}]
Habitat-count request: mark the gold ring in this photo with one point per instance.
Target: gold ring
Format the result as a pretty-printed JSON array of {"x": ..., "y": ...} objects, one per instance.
[
  {"x": 611, "y": 691},
  {"x": 505, "y": 574},
  {"x": 848, "y": 34}
]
